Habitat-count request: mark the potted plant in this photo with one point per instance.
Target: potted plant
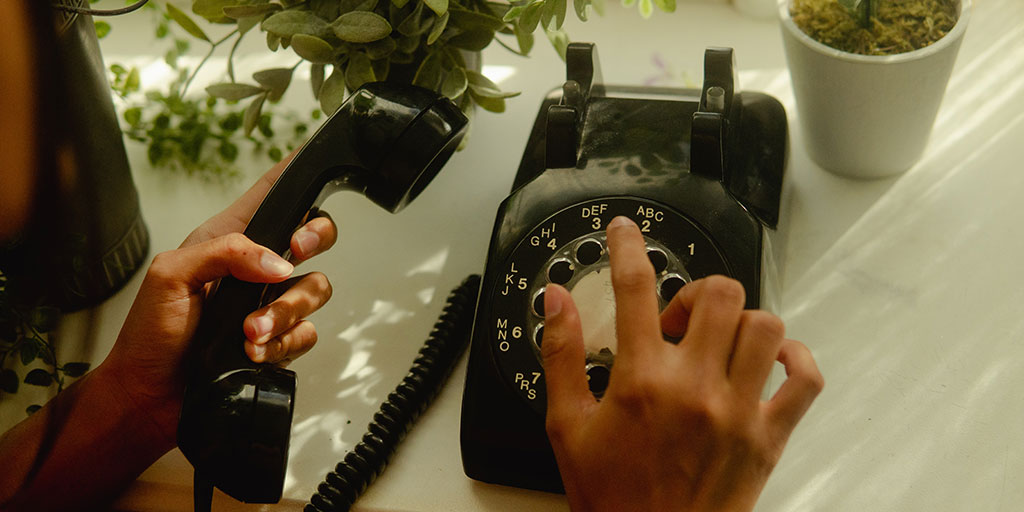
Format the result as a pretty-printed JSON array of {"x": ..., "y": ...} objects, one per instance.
[
  {"x": 868, "y": 77},
  {"x": 346, "y": 43}
]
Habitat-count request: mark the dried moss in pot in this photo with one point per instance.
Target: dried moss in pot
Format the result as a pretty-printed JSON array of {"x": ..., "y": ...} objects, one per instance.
[{"x": 893, "y": 26}]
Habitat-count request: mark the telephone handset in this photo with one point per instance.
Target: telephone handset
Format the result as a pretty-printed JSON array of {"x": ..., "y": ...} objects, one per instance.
[
  {"x": 699, "y": 171},
  {"x": 387, "y": 141}
]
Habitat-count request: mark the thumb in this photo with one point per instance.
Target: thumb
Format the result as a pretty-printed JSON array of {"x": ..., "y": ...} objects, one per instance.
[
  {"x": 564, "y": 358},
  {"x": 233, "y": 254}
]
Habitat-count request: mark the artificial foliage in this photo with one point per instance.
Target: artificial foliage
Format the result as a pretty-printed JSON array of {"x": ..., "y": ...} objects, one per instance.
[{"x": 28, "y": 352}]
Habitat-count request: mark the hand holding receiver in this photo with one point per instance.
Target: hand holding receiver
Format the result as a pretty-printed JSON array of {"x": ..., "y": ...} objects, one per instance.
[
  {"x": 386, "y": 141},
  {"x": 680, "y": 427}
]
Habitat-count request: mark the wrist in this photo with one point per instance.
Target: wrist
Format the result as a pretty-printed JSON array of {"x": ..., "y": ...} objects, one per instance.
[{"x": 156, "y": 417}]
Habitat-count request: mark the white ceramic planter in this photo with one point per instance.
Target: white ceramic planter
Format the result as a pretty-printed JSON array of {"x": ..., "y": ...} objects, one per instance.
[{"x": 867, "y": 116}]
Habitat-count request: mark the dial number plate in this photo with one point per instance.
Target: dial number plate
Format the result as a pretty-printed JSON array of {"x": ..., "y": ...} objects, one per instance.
[{"x": 564, "y": 249}]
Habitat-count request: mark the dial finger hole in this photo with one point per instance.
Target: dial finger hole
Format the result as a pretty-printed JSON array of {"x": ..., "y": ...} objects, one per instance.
[{"x": 560, "y": 272}]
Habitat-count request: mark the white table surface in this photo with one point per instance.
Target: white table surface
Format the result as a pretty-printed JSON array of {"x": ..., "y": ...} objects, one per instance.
[{"x": 908, "y": 289}]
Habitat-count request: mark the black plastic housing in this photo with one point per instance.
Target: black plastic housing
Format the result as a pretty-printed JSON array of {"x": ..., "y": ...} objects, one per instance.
[{"x": 719, "y": 163}]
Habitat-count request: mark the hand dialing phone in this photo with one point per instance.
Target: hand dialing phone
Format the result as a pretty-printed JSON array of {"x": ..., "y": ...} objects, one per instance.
[
  {"x": 699, "y": 171},
  {"x": 387, "y": 141}
]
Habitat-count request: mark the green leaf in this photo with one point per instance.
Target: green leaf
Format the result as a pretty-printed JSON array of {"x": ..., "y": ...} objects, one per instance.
[
  {"x": 133, "y": 116},
  {"x": 28, "y": 352},
  {"x": 345, "y": 6},
  {"x": 380, "y": 49},
  {"x": 44, "y": 318},
  {"x": 525, "y": 40},
  {"x": 666, "y": 5},
  {"x": 186, "y": 23},
  {"x": 560, "y": 40},
  {"x": 246, "y": 24},
  {"x": 496, "y": 105},
  {"x": 30, "y": 410},
  {"x": 361, "y": 27},
  {"x": 408, "y": 45},
  {"x": 438, "y": 28},
  {"x": 233, "y": 92},
  {"x": 252, "y": 114},
  {"x": 313, "y": 49},
  {"x": 212, "y": 10},
  {"x": 412, "y": 25},
  {"x": 273, "y": 41},
  {"x": 513, "y": 13},
  {"x": 289, "y": 23},
  {"x": 316, "y": 78},
  {"x": 399, "y": 3},
  {"x": 483, "y": 87},
  {"x": 39, "y": 377},
  {"x": 332, "y": 93},
  {"x": 531, "y": 17},
  {"x": 359, "y": 71},
  {"x": 454, "y": 83},
  {"x": 475, "y": 40},
  {"x": 102, "y": 29},
  {"x": 46, "y": 356},
  {"x": 428, "y": 75},
  {"x": 248, "y": 11},
  {"x": 381, "y": 68},
  {"x": 553, "y": 15},
  {"x": 75, "y": 369},
  {"x": 581, "y": 8},
  {"x": 131, "y": 84},
  {"x": 275, "y": 80},
  {"x": 8, "y": 381},
  {"x": 470, "y": 20},
  {"x": 646, "y": 8},
  {"x": 440, "y": 7}
]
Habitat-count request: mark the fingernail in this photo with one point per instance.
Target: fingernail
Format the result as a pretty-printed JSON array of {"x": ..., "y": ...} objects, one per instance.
[
  {"x": 275, "y": 265},
  {"x": 620, "y": 221},
  {"x": 263, "y": 325},
  {"x": 308, "y": 240},
  {"x": 552, "y": 302}
]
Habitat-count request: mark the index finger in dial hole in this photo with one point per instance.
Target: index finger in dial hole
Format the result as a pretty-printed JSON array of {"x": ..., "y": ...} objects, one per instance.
[
  {"x": 305, "y": 295},
  {"x": 636, "y": 302}
]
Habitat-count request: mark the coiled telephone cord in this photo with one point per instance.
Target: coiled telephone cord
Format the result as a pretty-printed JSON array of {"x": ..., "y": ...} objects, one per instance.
[{"x": 364, "y": 463}]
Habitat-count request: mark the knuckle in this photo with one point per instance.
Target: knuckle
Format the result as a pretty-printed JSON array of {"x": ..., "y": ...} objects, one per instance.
[
  {"x": 815, "y": 381},
  {"x": 236, "y": 244},
  {"x": 282, "y": 311},
  {"x": 724, "y": 290},
  {"x": 640, "y": 393},
  {"x": 767, "y": 323},
  {"x": 557, "y": 429},
  {"x": 162, "y": 267}
]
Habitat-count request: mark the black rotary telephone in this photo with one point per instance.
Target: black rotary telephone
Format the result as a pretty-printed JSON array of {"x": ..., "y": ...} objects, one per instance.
[
  {"x": 387, "y": 141},
  {"x": 701, "y": 173}
]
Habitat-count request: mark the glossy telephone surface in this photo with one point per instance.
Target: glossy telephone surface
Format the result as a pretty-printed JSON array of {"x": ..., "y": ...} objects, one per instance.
[{"x": 699, "y": 171}]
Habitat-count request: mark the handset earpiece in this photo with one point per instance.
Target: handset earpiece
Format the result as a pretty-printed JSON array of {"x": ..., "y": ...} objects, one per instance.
[{"x": 387, "y": 141}]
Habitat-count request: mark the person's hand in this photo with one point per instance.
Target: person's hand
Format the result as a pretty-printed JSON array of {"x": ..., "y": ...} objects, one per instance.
[
  {"x": 680, "y": 427},
  {"x": 147, "y": 358}
]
